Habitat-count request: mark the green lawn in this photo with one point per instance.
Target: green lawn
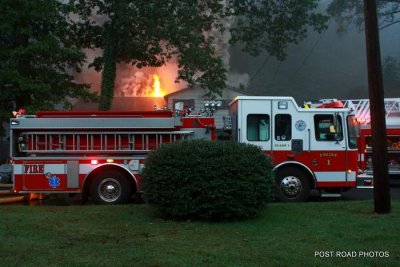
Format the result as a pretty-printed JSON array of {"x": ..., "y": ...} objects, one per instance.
[{"x": 130, "y": 235}]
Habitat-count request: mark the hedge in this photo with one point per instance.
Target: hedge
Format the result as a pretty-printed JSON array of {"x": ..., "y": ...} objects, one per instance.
[{"x": 208, "y": 180}]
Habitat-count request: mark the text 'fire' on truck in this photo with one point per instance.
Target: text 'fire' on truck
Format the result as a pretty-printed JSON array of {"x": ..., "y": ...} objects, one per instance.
[
  {"x": 102, "y": 154},
  {"x": 99, "y": 154}
]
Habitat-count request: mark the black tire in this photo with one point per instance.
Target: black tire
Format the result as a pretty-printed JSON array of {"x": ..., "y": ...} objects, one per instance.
[
  {"x": 292, "y": 185},
  {"x": 110, "y": 187}
]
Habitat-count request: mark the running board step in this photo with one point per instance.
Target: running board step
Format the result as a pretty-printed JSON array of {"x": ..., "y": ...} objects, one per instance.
[
  {"x": 365, "y": 180},
  {"x": 330, "y": 195}
]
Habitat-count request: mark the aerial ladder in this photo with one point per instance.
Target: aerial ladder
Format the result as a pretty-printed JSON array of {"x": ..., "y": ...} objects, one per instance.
[
  {"x": 392, "y": 115},
  {"x": 362, "y": 108}
]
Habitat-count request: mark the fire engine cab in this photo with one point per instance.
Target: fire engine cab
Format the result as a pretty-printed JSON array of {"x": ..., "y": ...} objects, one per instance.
[
  {"x": 96, "y": 153},
  {"x": 311, "y": 148}
]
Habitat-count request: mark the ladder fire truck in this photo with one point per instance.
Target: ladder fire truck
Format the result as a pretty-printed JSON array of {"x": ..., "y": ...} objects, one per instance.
[
  {"x": 100, "y": 154},
  {"x": 362, "y": 112},
  {"x": 312, "y": 148}
]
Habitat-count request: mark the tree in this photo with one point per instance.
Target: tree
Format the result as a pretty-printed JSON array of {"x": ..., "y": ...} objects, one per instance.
[
  {"x": 347, "y": 12},
  {"x": 37, "y": 57},
  {"x": 377, "y": 110},
  {"x": 351, "y": 12},
  {"x": 270, "y": 26},
  {"x": 149, "y": 33}
]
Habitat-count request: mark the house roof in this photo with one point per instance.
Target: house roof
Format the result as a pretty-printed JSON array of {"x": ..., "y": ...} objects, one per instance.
[
  {"x": 199, "y": 88},
  {"x": 125, "y": 103}
]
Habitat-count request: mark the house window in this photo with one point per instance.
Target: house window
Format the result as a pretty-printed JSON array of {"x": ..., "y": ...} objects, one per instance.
[{"x": 187, "y": 103}]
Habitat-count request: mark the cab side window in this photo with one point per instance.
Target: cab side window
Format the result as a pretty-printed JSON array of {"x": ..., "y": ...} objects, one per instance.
[
  {"x": 283, "y": 127},
  {"x": 258, "y": 127},
  {"x": 326, "y": 129}
]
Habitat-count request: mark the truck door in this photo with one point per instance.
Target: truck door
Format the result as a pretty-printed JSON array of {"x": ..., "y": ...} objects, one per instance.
[
  {"x": 328, "y": 150},
  {"x": 255, "y": 123}
]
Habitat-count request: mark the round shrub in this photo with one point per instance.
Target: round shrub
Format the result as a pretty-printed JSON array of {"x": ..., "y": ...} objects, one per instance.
[{"x": 208, "y": 180}]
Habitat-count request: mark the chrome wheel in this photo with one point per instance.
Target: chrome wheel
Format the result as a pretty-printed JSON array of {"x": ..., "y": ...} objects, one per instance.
[
  {"x": 291, "y": 187},
  {"x": 109, "y": 190}
]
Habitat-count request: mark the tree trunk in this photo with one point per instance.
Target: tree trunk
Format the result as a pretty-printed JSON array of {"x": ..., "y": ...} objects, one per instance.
[
  {"x": 109, "y": 72},
  {"x": 377, "y": 110}
]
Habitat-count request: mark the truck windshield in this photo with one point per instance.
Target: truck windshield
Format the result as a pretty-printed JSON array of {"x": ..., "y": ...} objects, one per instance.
[{"x": 352, "y": 127}]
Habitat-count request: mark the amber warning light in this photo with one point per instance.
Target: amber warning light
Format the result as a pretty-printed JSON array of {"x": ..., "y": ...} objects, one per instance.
[{"x": 19, "y": 112}]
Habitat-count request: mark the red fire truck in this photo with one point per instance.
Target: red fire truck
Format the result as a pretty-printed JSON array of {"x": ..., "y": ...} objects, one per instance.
[
  {"x": 312, "y": 148},
  {"x": 362, "y": 112},
  {"x": 100, "y": 154}
]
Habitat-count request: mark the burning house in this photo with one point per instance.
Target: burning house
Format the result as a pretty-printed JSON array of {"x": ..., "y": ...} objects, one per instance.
[{"x": 143, "y": 89}]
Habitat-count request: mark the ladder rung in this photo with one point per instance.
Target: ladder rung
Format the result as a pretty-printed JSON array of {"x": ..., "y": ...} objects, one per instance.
[{"x": 54, "y": 142}]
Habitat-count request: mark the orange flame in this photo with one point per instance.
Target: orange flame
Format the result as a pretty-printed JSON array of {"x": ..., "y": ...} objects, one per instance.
[{"x": 157, "y": 91}]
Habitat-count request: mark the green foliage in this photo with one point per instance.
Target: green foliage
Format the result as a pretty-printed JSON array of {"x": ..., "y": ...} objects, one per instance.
[
  {"x": 151, "y": 32},
  {"x": 148, "y": 34},
  {"x": 208, "y": 180},
  {"x": 270, "y": 26},
  {"x": 351, "y": 12},
  {"x": 37, "y": 56},
  {"x": 40, "y": 43}
]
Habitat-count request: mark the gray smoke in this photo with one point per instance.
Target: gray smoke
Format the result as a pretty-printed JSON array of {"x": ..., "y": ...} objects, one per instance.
[
  {"x": 327, "y": 66},
  {"x": 222, "y": 47},
  {"x": 131, "y": 81}
]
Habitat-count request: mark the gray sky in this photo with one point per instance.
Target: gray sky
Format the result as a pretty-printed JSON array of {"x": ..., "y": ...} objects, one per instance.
[{"x": 335, "y": 68}]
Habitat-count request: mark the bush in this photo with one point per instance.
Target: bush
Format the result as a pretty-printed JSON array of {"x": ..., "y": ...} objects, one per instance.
[{"x": 208, "y": 180}]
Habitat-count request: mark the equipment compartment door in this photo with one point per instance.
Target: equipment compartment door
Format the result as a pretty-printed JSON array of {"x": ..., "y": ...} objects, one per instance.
[
  {"x": 43, "y": 175},
  {"x": 33, "y": 175}
]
